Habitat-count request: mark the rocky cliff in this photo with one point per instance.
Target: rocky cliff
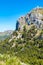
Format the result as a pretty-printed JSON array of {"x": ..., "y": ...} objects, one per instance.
[{"x": 33, "y": 17}]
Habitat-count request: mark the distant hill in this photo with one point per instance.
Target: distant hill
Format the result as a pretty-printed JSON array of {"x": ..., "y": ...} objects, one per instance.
[{"x": 5, "y": 34}]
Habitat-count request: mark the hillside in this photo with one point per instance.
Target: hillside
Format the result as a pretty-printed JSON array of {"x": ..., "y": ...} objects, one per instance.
[{"x": 25, "y": 44}]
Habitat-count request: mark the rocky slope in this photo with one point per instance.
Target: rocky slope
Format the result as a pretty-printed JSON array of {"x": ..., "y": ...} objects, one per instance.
[{"x": 33, "y": 17}]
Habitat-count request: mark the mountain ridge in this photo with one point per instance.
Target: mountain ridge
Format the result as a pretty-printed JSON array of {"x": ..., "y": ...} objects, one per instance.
[
  {"x": 35, "y": 16},
  {"x": 5, "y": 34}
]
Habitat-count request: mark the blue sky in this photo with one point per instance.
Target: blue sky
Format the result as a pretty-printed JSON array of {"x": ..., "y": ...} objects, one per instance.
[{"x": 11, "y": 10}]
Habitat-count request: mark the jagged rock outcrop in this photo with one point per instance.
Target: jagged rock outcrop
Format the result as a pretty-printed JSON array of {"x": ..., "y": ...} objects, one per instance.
[
  {"x": 33, "y": 17},
  {"x": 20, "y": 23}
]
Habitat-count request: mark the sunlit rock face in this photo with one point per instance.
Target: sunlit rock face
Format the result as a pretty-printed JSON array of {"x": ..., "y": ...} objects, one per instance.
[
  {"x": 20, "y": 23},
  {"x": 37, "y": 17},
  {"x": 33, "y": 17}
]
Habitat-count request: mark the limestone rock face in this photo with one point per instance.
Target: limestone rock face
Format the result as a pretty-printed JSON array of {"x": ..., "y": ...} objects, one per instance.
[
  {"x": 33, "y": 17},
  {"x": 20, "y": 23}
]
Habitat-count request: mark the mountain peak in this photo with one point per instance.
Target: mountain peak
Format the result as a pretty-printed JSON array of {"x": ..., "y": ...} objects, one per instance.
[
  {"x": 33, "y": 17},
  {"x": 38, "y": 9}
]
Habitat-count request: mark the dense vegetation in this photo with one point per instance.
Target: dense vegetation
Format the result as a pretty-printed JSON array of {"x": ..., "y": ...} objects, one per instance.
[{"x": 26, "y": 50}]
